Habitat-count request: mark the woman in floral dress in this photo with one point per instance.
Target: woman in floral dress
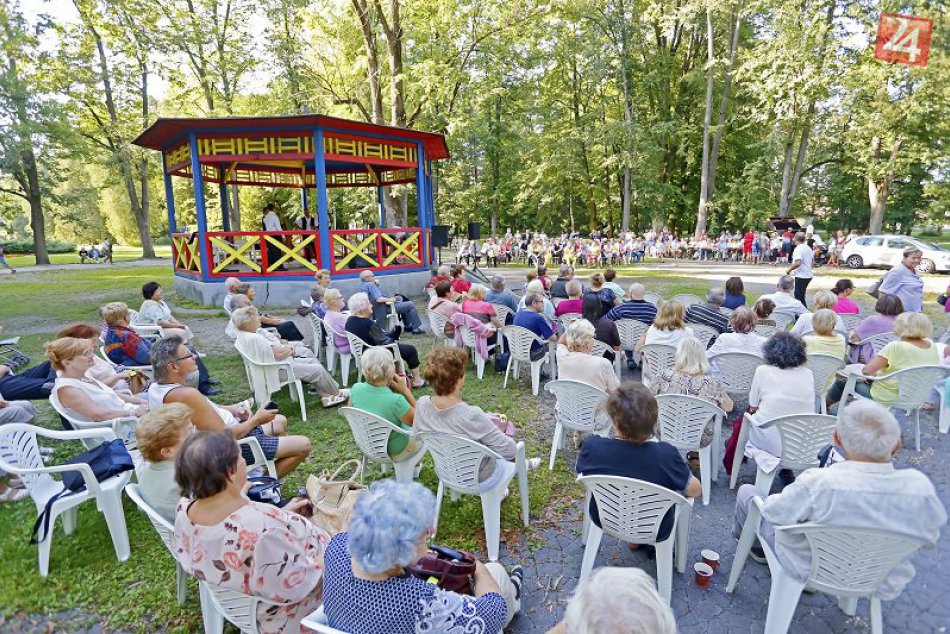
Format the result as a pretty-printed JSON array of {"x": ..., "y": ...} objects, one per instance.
[{"x": 254, "y": 548}]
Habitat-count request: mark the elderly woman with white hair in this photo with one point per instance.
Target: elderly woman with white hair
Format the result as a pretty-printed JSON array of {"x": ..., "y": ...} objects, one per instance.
[
  {"x": 230, "y": 284},
  {"x": 361, "y": 324},
  {"x": 366, "y": 587},
  {"x": 537, "y": 287},
  {"x": 619, "y": 601},
  {"x": 574, "y": 302},
  {"x": 743, "y": 337},
  {"x": 575, "y": 361},
  {"x": 823, "y": 299},
  {"x": 336, "y": 318},
  {"x": 267, "y": 347},
  {"x": 823, "y": 339},
  {"x": 386, "y": 395}
]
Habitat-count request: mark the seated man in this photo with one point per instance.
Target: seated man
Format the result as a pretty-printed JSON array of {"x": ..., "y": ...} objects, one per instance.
[
  {"x": 785, "y": 302},
  {"x": 306, "y": 367},
  {"x": 863, "y": 491},
  {"x": 317, "y": 306},
  {"x": 173, "y": 364},
  {"x": 532, "y": 319},
  {"x": 404, "y": 308},
  {"x": 499, "y": 295},
  {"x": 442, "y": 274},
  {"x": 709, "y": 314},
  {"x": 634, "y": 308},
  {"x": 558, "y": 287},
  {"x": 634, "y": 452}
]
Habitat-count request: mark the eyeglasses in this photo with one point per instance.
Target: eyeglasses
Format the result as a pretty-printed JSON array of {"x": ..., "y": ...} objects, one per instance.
[{"x": 187, "y": 356}]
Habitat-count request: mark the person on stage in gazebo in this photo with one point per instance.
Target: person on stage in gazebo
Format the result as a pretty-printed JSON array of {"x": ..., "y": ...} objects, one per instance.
[{"x": 271, "y": 222}]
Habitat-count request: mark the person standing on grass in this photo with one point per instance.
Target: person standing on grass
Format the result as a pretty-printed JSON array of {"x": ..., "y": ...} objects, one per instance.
[
  {"x": 802, "y": 259},
  {"x": 3, "y": 260}
]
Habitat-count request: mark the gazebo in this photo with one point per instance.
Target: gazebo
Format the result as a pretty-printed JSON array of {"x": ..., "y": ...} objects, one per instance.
[{"x": 306, "y": 152}]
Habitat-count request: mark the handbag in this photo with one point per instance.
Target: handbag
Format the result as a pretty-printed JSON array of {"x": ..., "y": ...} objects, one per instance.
[
  {"x": 874, "y": 289},
  {"x": 267, "y": 490},
  {"x": 449, "y": 569},
  {"x": 107, "y": 460},
  {"x": 333, "y": 498},
  {"x": 942, "y": 299}
]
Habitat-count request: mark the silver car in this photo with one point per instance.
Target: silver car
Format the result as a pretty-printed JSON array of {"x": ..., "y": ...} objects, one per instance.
[{"x": 888, "y": 250}]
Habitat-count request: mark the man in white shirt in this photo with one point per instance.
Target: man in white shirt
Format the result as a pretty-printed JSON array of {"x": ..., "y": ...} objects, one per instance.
[
  {"x": 802, "y": 259},
  {"x": 863, "y": 491},
  {"x": 785, "y": 303},
  {"x": 271, "y": 222}
]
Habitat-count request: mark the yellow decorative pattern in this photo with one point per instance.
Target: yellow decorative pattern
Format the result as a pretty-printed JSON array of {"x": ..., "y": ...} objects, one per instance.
[
  {"x": 186, "y": 254},
  {"x": 355, "y": 250},
  {"x": 294, "y": 253},
  {"x": 409, "y": 247},
  {"x": 368, "y": 149},
  {"x": 177, "y": 155},
  {"x": 264, "y": 146},
  {"x": 235, "y": 254}
]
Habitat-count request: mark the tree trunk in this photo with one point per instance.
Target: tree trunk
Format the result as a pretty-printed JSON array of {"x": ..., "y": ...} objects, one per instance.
[
  {"x": 735, "y": 26},
  {"x": 783, "y": 202},
  {"x": 34, "y": 197},
  {"x": 880, "y": 188},
  {"x": 148, "y": 250},
  {"x": 702, "y": 214},
  {"x": 627, "y": 187}
]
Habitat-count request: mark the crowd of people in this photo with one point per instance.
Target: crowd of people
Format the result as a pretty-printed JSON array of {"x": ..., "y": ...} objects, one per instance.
[{"x": 195, "y": 452}]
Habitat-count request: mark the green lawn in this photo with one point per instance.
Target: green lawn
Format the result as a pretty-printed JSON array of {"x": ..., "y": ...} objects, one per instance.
[{"x": 120, "y": 254}]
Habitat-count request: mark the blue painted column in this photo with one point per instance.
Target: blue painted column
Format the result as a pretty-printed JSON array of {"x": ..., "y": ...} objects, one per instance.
[
  {"x": 225, "y": 201},
  {"x": 305, "y": 198},
  {"x": 169, "y": 197},
  {"x": 200, "y": 211},
  {"x": 421, "y": 205},
  {"x": 381, "y": 207},
  {"x": 323, "y": 211}
]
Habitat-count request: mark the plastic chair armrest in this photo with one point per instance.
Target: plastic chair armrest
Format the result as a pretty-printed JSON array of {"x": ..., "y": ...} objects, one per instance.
[
  {"x": 103, "y": 432},
  {"x": 92, "y": 485}
]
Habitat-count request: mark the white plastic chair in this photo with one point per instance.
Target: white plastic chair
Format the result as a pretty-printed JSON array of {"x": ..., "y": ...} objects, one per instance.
[
  {"x": 316, "y": 331},
  {"x": 705, "y": 334},
  {"x": 333, "y": 351},
  {"x": 631, "y": 510},
  {"x": 358, "y": 347},
  {"x": 823, "y": 367},
  {"x": 123, "y": 427},
  {"x": 600, "y": 349},
  {"x": 631, "y": 331},
  {"x": 20, "y": 455},
  {"x": 371, "y": 434},
  {"x": 267, "y": 377},
  {"x": 219, "y": 603},
  {"x": 877, "y": 342},
  {"x": 470, "y": 340},
  {"x": 803, "y": 436},
  {"x": 519, "y": 342},
  {"x": 681, "y": 420},
  {"x": 457, "y": 462},
  {"x": 564, "y": 321},
  {"x": 735, "y": 370},
  {"x": 260, "y": 460},
  {"x": 847, "y": 562},
  {"x": 654, "y": 298},
  {"x": 165, "y": 531},
  {"x": 688, "y": 299},
  {"x": 851, "y": 322},
  {"x": 437, "y": 322},
  {"x": 502, "y": 312},
  {"x": 657, "y": 358},
  {"x": 914, "y": 385},
  {"x": 575, "y": 409},
  {"x": 144, "y": 369},
  {"x": 151, "y": 332},
  {"x": 765, "y": 330},
  {"x": 782, "y": 320},
  {"x": 319, "y": 624},
  {"x": 728, "y": 312}
]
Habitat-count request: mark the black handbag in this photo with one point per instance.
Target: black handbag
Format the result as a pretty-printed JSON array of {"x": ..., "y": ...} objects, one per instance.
[
  {"x": 107, "y": 460},
  {"x": 267, "y": 490}
]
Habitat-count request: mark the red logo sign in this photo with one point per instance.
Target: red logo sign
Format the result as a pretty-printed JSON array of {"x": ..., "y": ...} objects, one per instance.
[{"x": 903, "y": 39}]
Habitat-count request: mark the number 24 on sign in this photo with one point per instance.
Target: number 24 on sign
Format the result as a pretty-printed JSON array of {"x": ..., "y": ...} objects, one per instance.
[{"x": 903, "y": 39}]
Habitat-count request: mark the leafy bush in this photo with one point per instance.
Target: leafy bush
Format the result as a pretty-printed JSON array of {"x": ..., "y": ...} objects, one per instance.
[{"x": 23, "y": 247}]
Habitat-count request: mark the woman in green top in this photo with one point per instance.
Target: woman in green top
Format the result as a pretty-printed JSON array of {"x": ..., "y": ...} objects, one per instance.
[
  {"x": 913, "y": 349},
  {"x": 385, "y": 394}
]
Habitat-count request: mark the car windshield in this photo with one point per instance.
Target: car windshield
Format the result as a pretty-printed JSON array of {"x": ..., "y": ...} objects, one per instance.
[{"x": 931, "y": 246}]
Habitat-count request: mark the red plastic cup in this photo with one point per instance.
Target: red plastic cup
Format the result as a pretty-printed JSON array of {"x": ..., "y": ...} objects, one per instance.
[
  {"x": 704, "y": 573},
  {"x": 710, "y": 558}
]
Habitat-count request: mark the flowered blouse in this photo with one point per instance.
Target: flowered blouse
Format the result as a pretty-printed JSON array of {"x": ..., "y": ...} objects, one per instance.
[
  {"x": 402, "y": 605},
  {"x": 704, "y": 386},
  {"x": 262, "y": 551}
]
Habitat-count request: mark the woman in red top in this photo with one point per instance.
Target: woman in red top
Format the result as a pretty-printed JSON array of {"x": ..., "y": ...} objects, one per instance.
[
  {"x": 747, "y": 244},
  {"x": 459, "y": 283}
]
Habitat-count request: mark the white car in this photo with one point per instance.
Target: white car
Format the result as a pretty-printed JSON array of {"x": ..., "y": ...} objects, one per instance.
[{"x": 888, "y": 250}]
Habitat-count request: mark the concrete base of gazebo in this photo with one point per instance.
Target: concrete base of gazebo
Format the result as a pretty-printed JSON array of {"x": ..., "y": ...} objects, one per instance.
[{"x": 290, "y": 292}]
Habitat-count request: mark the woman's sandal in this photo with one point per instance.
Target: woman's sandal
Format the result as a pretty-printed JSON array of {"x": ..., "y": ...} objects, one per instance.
[{"x": 331, "y": 401}]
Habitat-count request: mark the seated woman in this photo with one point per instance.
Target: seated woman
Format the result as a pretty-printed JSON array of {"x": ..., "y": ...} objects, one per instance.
[
  {"x": 576, "y": 363},
  {"x": 823, "y": 339},
  {"x": 690, "y": 377},
  {"x": 124, "y": 347},
  {"x": 84, "y": 398},
  {"x": 445, "y": 411},
  {"x": 250, "y": 547},
  {"x": 743, "y": 337},
  {"x": 669, "y": 327},
  {"x": 476, "y": 306},
  {"x": 385, "y": 394},
  {"x": 125, "y": 381},
  {"x": 605, "y": 330},
  {"x": 361, "y": 324},
  {"x": 366, "y": 588},
  {"x": 336, "y": 318},
  {"x": 763, "y": 312},
  {"x": 286, "y": 329},
  {"x": 734, "y": 293},
  {"x": 573, "y": 303},
  {"x": 913, "y": 348},
  {"x": 459, "y": 284},
  {"x": 781, "y": 387},
  {"x": 634, "y": 452},
  {"x": 155, "y": 312},
  {"x": 621, "y": 600},
  {"x": 823, "y": 300},
  {"x": 845, "y": 305},
  {"x": 307, "y": 368},
  {"x": 608, "y": 298},
  {"x": 159, "y": 436},
  {"x": 886, "y": 310},
  {"x": 446, "y": 304}
]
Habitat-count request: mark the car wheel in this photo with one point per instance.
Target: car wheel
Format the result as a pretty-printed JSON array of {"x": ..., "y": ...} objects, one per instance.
[
  {"x": 855, "y": 261},
  {"x": 926, "y": 266}
]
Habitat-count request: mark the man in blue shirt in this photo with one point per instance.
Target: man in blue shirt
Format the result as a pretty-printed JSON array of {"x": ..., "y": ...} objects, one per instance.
[
  {"x": 498, "y": 295},
  {"x": 404, "y": 308},
  {"x": 532, "y": 319}
]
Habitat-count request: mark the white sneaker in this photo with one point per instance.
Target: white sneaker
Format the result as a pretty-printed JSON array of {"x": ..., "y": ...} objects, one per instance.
[{"x": 533, "y": 463}]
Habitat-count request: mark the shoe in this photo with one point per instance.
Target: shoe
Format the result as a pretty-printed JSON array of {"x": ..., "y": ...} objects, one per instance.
[
  {"x": 631, "y": 365},
  {"x": 330, "y": 401},
  {"x": 213, "y": 382},
  {"x": 13, "y": 495},
  {"x": 758, "y": 555},
  {"x": 533, "y": 463},
  {"x": 418, "y": 331},
  {"x": 211, "y": 391},
  {"x": 544, "y": 376},
  {"x": 517, "y": 579}
]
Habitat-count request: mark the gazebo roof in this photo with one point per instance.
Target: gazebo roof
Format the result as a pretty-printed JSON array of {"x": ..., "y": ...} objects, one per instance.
[{"x": 166, "y": 132}]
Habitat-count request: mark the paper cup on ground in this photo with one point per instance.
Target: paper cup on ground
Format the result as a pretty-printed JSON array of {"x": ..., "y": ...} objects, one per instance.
[
  {"x": 704, "y": 573},
  {"x": 710, "y": 558}
]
